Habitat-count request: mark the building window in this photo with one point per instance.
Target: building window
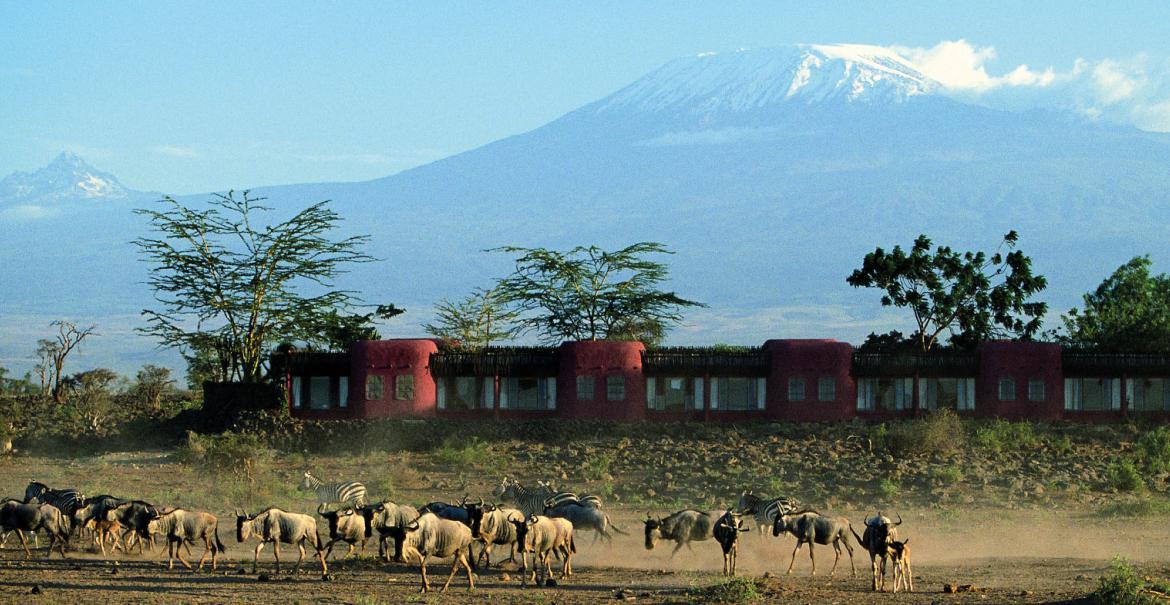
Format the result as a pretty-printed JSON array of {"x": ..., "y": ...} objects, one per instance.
[
  {"x": 948, "y": 393},
  {"x": 404, "y": 387},
  {"x": 343, "y": 391},
  {"x": 1147, "y": 394},
  {"x": 615, "y": 388},
  {"x": 886, "y": 394},
  {"x": 585, "y": 388},
  {"x": 1092, "y": 394},
  {"x": 320, "y": 395},
  {"x": 1036, "y": 389},
  {"x": 375, "y": 387},
  {"x": 737, "y": 394},
  {"x": 296, "y": 391},
  {"x": 1007, "y": 389},
  {"x": 528, "y": 393},
  {"x": 671, "y": 393},
  {"x": 796, "y": 388},
  {"x": 826, "y": 388},
  {"x": 464, "y": 393}
]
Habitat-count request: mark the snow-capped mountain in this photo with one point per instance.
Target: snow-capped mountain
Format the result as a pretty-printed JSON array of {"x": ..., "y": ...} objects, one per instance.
[
  {"x": 770, "y": 172},
  {"x": 750, "y": 80},
  {"x": 66, "y": 178}
]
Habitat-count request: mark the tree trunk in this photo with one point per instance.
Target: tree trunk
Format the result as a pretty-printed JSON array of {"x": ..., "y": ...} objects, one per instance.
[{"x": 5, "y": 445}]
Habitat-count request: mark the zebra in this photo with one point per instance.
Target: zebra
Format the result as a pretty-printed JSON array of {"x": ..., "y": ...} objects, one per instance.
[
  {"x": 765, "y": 510},
  {"x": 532, "y": 501},
  {"x": 329, "y": 493},
  {"x": 68, "y": 501}
]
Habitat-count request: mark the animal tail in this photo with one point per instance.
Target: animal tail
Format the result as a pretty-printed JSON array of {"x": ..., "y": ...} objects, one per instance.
[
  {"x": 615, "y": 527},
  {"x": 854, "y": 532},
  {"x": 573, "y": 544},
  {"x": 219, "y": 544}
]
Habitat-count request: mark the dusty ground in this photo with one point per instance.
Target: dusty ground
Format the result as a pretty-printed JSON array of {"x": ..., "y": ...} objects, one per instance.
[{"x": 1037, "y": 558}]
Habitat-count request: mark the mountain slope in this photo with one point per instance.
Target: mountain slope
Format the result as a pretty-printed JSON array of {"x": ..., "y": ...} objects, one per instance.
[{"x": 770, "y": 172}]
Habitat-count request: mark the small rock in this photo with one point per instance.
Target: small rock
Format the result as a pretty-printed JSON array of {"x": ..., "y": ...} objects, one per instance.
[
  {"x": 551, "y": 583},
  {"x": 506, "y": 578},
  {"x": 36, "y": 589},
  {"x": 767, "y": 574},
  {"x": 240, "y": 572},
  {"x": 264, "y": 578},
  {"x": 327, "y": 577}
]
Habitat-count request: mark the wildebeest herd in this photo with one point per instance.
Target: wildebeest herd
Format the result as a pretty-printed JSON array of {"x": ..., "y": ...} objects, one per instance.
[{"x": 538, "y": 523}]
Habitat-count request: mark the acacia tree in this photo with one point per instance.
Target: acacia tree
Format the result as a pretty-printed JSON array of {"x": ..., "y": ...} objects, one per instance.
[
  {"x": 476, "y": 321},
  {"x": 970, "y": 295},
  {"x": 229, "y": 285},
  {"x": 1129, "y": 311},
  {"x": 588, "y": 293},
  {"x": 54, "y": 351}
]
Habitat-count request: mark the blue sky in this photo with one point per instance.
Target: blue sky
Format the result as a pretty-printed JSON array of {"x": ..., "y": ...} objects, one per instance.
[{"x": 191, "y": 97}]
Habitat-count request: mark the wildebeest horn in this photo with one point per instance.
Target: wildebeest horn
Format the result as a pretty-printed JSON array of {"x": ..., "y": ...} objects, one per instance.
[
  {"x": 899, "y": 519},
  {"x": 481, "y": 502},
  {"x": 321, "y": 509}
]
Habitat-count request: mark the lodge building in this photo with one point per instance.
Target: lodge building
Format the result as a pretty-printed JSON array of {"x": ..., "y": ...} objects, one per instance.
[{"x": 795, "y": 380}]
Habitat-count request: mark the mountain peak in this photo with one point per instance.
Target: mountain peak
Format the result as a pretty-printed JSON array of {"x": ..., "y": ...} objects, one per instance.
[
  {"x": 754, "y": 79},
  {"x": 68, "y": 177}
]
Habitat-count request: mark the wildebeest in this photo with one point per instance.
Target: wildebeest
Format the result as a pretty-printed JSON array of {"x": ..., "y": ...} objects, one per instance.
[
  {"x": 431, "y": 536},
  {"x": 96, "y": 515},
  {"x": 900, "y": 557},
  {"x": 275, "y": 525},
  {"x": 726, "y": 533},
  {"x": 814, "y": 528},
  {"x": 542, "y": 536},
  {"x": 345, "y": 525},
  {"x": 683, "y": 527},
  {"x": 390, "y": 520},
  {"x": 492, "y": 525},
  {"x": 450, "y": 512},
  {"x": 134, "y": 516},
  {"x": 879, "y": 532},
  {"x": 20, "y": 517},
  {"x": 181, "y": 526},
  {"x": 586, "y": 517},
  {"x": 57, "y": 526}
]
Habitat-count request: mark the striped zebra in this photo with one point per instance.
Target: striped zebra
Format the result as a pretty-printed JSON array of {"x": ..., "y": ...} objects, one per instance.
[
  {"x": 532, "y": 501},
  {"x": 68, "y": 501},
  {"x": 765, "y": 510},
  {"x": 330, "y": 493}
]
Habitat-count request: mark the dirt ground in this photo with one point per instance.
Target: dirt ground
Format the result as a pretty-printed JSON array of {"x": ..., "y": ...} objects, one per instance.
[{"x": 1034, "y": 558}]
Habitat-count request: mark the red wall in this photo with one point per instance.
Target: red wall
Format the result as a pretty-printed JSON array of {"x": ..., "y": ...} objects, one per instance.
[
  {"x": 810, "y": 360},
  {"x": 389, "y": 359},
  {"x": 1021, "y": 361},
  {"x": 598, "y": 359}
]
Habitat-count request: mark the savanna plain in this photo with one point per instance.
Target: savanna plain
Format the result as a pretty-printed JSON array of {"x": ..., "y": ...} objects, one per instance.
[{"x": 996, "y": 512}]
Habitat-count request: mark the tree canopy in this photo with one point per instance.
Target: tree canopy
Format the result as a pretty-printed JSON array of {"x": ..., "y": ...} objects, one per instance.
[
  {"x": 587, "y": 293},
  {"x": 228, "y": 284},
  {"x": 1129, "y": 311},
  {"x": 969, "y": 295},
  {"x": 476, "y": 321}
]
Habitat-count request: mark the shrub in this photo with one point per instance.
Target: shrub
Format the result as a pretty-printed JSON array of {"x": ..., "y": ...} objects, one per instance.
[
  {"x": 1123, "y": 476},
  {"x": 734, "y": 590},
  {"x": 947, "y": 475},
  {"x": 597, "y": 466},
  {"x": 459, "y": 452},
  {"x": 888, "y": 489},
  {"x": 1152, "y": 451},
  {"x": 1061, "y": 444},
  {"x": 939, "y": 433},
  {"x": 1004, "y": 436},
  {"x": 1122, "y": 586}
]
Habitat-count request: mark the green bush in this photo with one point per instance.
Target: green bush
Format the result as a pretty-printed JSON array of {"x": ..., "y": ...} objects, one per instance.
[
  {"x": 888, "y": 489},
  {"x": 939, "y": 433},
  {"x": 1152, "y": 451},
  {"x": 1121, "y": 585},
  {"x": 734, "y": 590},
  {"x": 460, "y": 452},
  {"x": 947, "y": 475},
  {"x": 1123, "y": 476},
  {"x": 1004, "y": 436},
  {"x": 1061, "y": 444},
  {"x": 597, "y": 466}
]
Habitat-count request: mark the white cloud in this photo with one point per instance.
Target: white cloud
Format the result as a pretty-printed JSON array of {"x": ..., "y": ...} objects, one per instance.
[
  {"x": 28, "y": 212},
  {"x": 1132, "y": 91},
  {"x": 176, "y": 151}
]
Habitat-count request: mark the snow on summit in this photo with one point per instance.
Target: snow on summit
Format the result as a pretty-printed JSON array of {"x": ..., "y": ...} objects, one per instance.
[
  {"x": 746, "y": 80},
  {"x": 68, "y": 177}
]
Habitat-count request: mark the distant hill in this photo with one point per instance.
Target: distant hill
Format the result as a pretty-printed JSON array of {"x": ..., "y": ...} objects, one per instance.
[{"x": 771, "y": 173}]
